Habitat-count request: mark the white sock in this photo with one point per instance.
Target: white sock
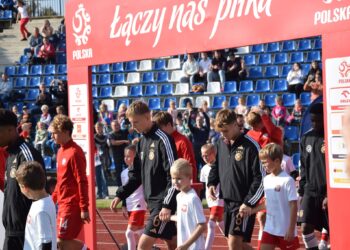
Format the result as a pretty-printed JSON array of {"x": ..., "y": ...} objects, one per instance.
[
  {"x": 221, "y": 226},
  {"x": 310, "y": 240},
  {"x": 130, "y": 239},
  {"x": 260, "y": 233},
  {"x": 210, "y": 234}
]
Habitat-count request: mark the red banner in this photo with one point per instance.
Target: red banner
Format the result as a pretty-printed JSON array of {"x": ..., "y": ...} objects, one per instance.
[{"x": 110, "y": 31}]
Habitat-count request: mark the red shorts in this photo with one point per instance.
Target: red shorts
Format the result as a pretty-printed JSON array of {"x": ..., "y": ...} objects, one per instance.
[
  {"x": 280, "y": 241},
  {"x": 137, "y": 218},
  {"x": 217, "y": 212},
  {"x": 69, "y": 223}
]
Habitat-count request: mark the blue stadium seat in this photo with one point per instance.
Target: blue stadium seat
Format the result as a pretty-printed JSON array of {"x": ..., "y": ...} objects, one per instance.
[
  {"x": 122, "y": 101},
  {"x": 23, "y": 70},
  {"x": 249, "y": 60},
  {"x": 230, "y": 87},
  {"x": 159, "y": 64},
  {"x": 6, "y": 15},
  {"x": 96, "y": 104},
  {"x": 318, "y": 44},
  {"x": 10, "y": 70},
  {"x": 167, "y": 102},
  {"x": 94, "y": 79},
  {"x": 297, "y": 57},
  {"x": 288, "y": 99},
  {"x": 217, "y": 101},
  {"x": 49, "y": 69},
  {"x": 233, "y": 102},
  {"x": 31, "y": 105},
  {"x": 296, "y": 160},
  {"x": 280, "y": 85},
  {"x": 118, "y": 78},
  {"x": 166, "y": 89},
  {"x": 154, "y": 103},
  {"x": 48, "y": 162},
  {"x": 103, "y": 68},
  {"x": 47, "y": 80},
  {"x": 104, "y": 79},
  {"x": 118, "y": 67},
  {"x": 36, "y": 70},
  {"x": 62, "y": 69},
  {"x": 131, "y": 66},
  {"x": 21, "y": 82},
  {"x": 313, "y": 56},
  {"x": 151, "y": 90},
  {"x": 147, "y": 77},
  {"x": 273, "y": 47},
  {"x": 246, "y": 86},
  {"x": 291, "y": 133},
  {"x": 305, "y": 44},
  {"x": 32, "y": 94},
  {"x": 253, "y": 100},
  {"x": 305, "y": 98},
  {"x": 271, "y": 71},
  {"x": 285, "y": 70},
  {"x": 262, "y": 86},
  {"x": 162, "y": 76},
  {"x": 105, "y": 92},
  {"x": 23, "y": 59},
  {"x": 281, "y": 58},
  {"x": 270, "y": 100},
  {"x": 62, "y": 77},
  {"x": 255, "y": 72},
  {"x": 265, "y": 59},
  {"x": 305, "y": 68},
  {"x": 288, "y": 46},
  {"x": 34, "y": 82},
  {"x": 93, "y": 69},
  {"x": 94, "y": 92},
  {"x": 61, "y": 58},
  {"x": 136, "y": 91},
  {"x": 258, "y": 48}
]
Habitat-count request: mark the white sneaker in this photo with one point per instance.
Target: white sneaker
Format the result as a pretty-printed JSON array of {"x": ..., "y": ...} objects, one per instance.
[{"x": 322, "y": 245}]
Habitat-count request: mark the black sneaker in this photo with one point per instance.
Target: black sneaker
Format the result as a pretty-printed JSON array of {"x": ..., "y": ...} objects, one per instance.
[
  {"x": 29, "y": 34},
  {"x": 24, "y": 39}
]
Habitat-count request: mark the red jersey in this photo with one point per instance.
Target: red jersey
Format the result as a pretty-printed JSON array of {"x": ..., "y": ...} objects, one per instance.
[
  {"x": 72, "y": 184},
  {"x": 3, "y": 157},
  {"x": 184, "y": 150},
  {"x": 270, "y": 133}
]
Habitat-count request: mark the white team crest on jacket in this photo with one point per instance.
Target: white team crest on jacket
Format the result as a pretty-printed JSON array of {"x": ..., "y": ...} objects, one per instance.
[{"x": 308, "y": 148}]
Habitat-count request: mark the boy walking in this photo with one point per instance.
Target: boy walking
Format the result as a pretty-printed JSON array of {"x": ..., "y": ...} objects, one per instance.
[
  {"x": 189, "y": 213},
  {"x": 40, "y": 232}
]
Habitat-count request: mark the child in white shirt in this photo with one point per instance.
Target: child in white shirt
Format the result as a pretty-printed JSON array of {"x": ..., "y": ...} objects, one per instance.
[
  {"x": 134, "y": 207},
  {"x": 216, "y": 206},
  {"x": 191, "y": 222},
  {"x": 40, "y": 232}
]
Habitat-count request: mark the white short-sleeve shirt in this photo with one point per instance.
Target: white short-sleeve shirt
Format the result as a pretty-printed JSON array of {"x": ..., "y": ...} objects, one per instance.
[
  {"x": 204, "y": 178},
  {"x": 23, "y": 11}
]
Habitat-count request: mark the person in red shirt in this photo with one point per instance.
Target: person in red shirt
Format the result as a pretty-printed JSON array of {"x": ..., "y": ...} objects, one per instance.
[
  {"x": 46, "y": 54},
  {"x": 3, "y": 157},
  {"x": 71, "y": 192},
  {"x": 183, "y": 145}
]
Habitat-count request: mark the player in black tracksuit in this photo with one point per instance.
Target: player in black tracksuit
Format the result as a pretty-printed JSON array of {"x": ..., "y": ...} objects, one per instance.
[
  {"x": 239, "y": 172},
  {"x": 155, "y": 153},
  {"x": 16, "y": 205},
  {"x": 313, "y": 183}
]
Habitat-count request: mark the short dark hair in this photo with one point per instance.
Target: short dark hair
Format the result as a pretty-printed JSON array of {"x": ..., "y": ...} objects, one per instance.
[
  {"x": 224, "y": 117},
  {"x": 316, "y": 109},
  {"x": 131, "y": 148},
  {"x": 31, "y": 174},
  {"x": 163, "y": 118},
  {"x": 8, "y": 118}
]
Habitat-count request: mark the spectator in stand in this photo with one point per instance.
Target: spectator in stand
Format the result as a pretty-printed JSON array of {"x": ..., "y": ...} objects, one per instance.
[
  {"x": 216, "y": 70},
  {"x": 62, "y": 27},
  {"x": 214, "y": 136},
  {"x": 45, "y": 116},
  {"x": 105, "y": 117},
  {"x": 182, "y": 127},
  {"x": 7, "y": 5},
  {"x": 47, "y": 29},
  {"x": 26, "y": 131},
  {"x": 173, "y": 111},
  {"x": 204, "y": 66},
  {"x": 15, "y": 111},
  {"x": 224, "y": 105},
  {"x": 314, "y": 85},
  {"x": 297, "y": 113},
  {"x": 46, "y": 54},
  {"x": 58, "y": 88},
  {"x": 44, "y": 98},
  {"x": 241, "y": 124},
  {"x": 118, "y": 140},
  {"x": 183, "y": 145},
  {"x": 295, "y": 80},
  {"x": 24, "y": 16},
  {"x": 242, "y": 108},
  {"x": 60, "y": 110},
  {"x": 41, "y": 137},
  {"x": 262, "y": 106},
  {"x": 279, "y": 112},
  {"x": 313, "y": 70},
  {"x": 35, "y": 42},
  {"x": 190, "y": 69},
  {"x": 5, "y": 88},
  {"x": 234, "y": 68},
  {"x": 200, "y": 133}
]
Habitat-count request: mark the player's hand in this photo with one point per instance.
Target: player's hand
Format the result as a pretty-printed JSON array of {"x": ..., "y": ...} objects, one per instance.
[
  {"x": 289, "y": 235},
  {"x": 165, "y": 214},
  {"x": 114, "y": 204},
  {"x": 245, "y": 211},
  {"x": 212, "y": 193},
  {"x": 325, "y": 203},
  {"x": 125, "y": 212},
  {"x": 85, "y": 217}
]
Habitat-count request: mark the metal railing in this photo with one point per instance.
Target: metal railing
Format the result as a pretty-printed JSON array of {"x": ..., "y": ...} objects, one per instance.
[{"x": 46, "y": 8}]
